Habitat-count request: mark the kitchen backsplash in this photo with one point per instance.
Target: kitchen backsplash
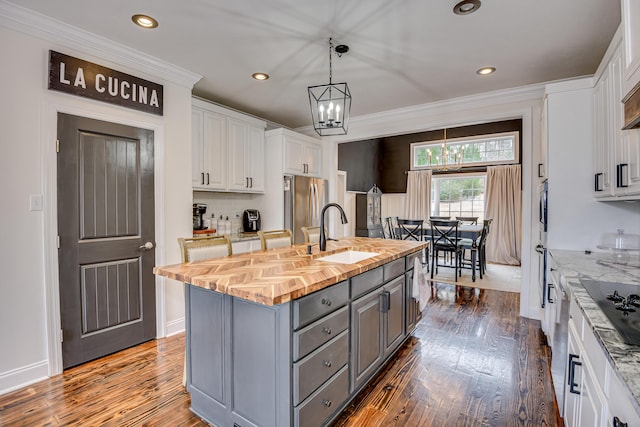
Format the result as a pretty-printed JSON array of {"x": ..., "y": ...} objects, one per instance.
[{"x": 226, "y": 204}]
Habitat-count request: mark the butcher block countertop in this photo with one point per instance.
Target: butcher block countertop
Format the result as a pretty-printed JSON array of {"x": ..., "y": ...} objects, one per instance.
[{"x": 280, "y": 275}]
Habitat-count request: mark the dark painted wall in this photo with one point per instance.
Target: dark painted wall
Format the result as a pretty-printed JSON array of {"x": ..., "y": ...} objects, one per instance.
[
  {"x": 386, "y": 167},
  {"x": 360, "y": 159}
]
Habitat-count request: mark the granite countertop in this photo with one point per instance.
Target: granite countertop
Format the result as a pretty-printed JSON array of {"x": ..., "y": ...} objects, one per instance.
[
  {"x": 280, "y": 275},
  {"x": 576, "y": 265}
]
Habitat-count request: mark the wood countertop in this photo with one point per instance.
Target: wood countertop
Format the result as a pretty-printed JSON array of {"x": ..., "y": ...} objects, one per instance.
[{"x": 280, "y": 275}]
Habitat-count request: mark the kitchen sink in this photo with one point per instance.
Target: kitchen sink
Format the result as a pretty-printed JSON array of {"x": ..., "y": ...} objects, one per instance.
[{"x": 348, "y": 257}]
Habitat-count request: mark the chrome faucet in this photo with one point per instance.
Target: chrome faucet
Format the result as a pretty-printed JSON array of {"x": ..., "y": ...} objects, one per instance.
[{"x": 323, "y": 237}]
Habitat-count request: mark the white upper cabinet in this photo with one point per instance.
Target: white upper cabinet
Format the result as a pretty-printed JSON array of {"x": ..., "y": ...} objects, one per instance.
[
  {"x": 631, "y": 27},
  {"x": 302, "y": 155},
  {"x": 227, "y": 149},
  {"x": 246, "y": 157},
  {"x": 616, "y": 152},
  {"x": 209, "y": 169}
]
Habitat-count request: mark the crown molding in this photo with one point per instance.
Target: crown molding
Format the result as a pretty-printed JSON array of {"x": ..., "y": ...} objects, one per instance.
[
  {"x": 460, "y": 111},
  {"x": 43, "y": 27}
]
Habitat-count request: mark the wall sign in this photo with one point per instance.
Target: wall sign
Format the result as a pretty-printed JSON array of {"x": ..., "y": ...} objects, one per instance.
[{"x": 78, "y": 77}]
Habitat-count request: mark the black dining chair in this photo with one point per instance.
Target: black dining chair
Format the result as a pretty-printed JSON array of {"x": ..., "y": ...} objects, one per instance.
[
  {"x": 471, "y": 220},
  {"x": 412, "y": 229},
  {"x": 440, "y": 218},
  {"x": 445, "y": 237},
  {"x": 390, "y": 227},
  {"x": 476, "y": 249}
]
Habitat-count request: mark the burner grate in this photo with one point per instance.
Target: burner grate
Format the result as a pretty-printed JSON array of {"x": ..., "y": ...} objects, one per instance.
[{"x": 618, "y": 301}]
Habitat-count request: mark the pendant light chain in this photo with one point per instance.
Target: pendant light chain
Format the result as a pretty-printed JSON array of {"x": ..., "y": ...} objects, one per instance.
[{"x": 330, "y": 49}]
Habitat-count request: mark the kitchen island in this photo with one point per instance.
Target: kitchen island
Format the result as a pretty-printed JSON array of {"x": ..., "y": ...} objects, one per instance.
[
  {"x": 285, "y": 338},
  {"x": 603, "y": 372}
]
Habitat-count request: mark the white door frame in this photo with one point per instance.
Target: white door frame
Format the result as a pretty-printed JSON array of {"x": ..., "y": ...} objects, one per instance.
[{"x": 53, "y": 104}]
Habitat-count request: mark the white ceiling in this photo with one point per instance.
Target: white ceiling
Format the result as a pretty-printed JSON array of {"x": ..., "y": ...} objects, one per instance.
[{"x": 402, "y": 52}]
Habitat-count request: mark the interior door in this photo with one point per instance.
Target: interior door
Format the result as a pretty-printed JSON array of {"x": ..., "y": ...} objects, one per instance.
[{"x": 106, "y": 230}]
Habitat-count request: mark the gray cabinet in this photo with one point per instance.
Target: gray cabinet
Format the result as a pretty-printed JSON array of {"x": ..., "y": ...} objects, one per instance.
[
  {"x": 377, "y": 322},
  {"x": 294, "y": 364}
]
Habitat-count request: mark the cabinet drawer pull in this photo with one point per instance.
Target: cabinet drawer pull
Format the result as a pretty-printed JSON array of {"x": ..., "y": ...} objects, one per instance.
[
  {"x": 208, "y": 178},
  {"x": 326, "y": 330},
  {"x": 549, "y": 299},
  {"x": 621, "y": 175},
  {"x": 618, "y": 423},
  {"x": 326, "y": 302},
  {"x": 573, "y": 362},
  {"x": 251, "y": 181},
  {"x": 327, "y": 363},
  {"x": 326, "y": 402},
  {"x": 202, "y": 178}
]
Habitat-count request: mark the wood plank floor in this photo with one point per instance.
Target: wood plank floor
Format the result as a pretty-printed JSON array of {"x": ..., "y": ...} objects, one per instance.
[{"x": 471, "y": 362}]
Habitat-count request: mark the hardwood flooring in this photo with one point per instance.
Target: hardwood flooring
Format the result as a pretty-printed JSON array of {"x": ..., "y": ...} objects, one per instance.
[{"x": 471, "y": 362}]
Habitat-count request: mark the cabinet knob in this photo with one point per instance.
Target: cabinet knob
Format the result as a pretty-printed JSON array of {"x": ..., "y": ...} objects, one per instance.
[
  {"x": 327, "y": 363},
  {"x": 326, "y": 402},
  {"x": 326, "y": 330},
  {"x": 326, "y": 302}
]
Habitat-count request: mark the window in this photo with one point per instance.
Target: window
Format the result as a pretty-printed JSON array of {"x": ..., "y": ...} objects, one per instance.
[
  {"x": 458, "y": 195},
  {"x": 482, "y": 150}
]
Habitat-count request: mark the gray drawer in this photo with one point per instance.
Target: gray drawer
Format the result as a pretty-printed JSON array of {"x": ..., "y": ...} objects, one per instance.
[
  {"x": 363, "y": 283},
  {"x": 393, "y": 269},
  {"x": 314, "y": 306},
  {"x": 313, "y": 336},
  {"x": 314, "y": 411},
  {"x": 312, "y": 371},
  {"x": 411, "y": 259}
]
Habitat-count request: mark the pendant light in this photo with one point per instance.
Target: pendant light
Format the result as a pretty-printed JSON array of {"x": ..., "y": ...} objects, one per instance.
[{"x": 331, "y": 103}]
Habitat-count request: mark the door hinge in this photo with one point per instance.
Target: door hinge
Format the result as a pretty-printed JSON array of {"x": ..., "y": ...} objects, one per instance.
[
  {"x": 61, "y": 335},
  {"x": 58, "y": 241},
  {"x": 57, "y": 145}
]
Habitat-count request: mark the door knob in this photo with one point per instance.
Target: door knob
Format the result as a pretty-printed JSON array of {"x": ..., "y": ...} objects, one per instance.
[{"x": 147, "y": 246}]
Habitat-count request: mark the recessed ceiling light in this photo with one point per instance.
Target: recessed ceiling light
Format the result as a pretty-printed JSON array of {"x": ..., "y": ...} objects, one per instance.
[
  {"x": 144, "y": 21},
  {"x": 486, "y": 70},
  {"x": 260, "y": 76},
  {"x": 466, "y": 7}
]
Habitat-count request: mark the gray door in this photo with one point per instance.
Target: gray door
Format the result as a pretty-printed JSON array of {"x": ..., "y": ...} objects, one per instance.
[
  {"x": 105, "y": 218},
  {"x": 366, "y": 339}
]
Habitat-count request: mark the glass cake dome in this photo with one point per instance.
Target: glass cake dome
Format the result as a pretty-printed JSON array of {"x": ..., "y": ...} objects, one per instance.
[{"x": 619, "y": 245}]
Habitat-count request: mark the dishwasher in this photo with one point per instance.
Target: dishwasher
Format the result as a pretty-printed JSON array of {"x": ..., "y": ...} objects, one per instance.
[{"x": 558, "y": 296}]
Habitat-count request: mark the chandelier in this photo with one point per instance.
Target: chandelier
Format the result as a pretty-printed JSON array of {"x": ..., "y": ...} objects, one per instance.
[
  {"x": 331, "y": 103},
  {"x": 445, "y": 157}
]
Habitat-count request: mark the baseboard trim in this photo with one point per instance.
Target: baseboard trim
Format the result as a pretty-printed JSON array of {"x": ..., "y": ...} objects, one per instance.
[
  {"x": 23, "y": 376},
  {"x": 175, "y": 326}
]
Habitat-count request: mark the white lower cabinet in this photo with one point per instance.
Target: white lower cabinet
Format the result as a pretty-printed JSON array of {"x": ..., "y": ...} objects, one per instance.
[{"x": 594, "y": 395}]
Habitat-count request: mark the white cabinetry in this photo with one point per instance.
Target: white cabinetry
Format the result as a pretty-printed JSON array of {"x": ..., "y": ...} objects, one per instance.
[
  {"x": 246, "y": 157},
  {"x": 616, "y": 157},
  {"x": 302, "y": 155},
  {"x": 227, "y": 149},
  {"x": 208, "y": 136},
  {"x": 594, "y": 394},
  {"x": 631, "y": 28}
]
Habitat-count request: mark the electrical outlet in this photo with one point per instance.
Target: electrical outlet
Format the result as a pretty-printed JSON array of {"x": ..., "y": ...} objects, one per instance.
[{"x": 35, "y": 202}]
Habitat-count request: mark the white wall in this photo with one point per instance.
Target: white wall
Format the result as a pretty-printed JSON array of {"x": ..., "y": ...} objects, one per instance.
[
  {"x": 576, "y": 219},
  {"x": 29, "y": 309}
]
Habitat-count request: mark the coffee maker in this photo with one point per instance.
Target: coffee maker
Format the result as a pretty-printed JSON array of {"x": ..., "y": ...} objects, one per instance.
[{"x": 199, "y": 210}]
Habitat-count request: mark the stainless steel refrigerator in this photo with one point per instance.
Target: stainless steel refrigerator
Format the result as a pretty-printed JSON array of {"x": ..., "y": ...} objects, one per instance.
[{"x": 304, "y": 198}]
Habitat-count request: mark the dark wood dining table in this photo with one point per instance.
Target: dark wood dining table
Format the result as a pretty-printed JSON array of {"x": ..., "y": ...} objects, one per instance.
[{"x": 466, "y": 231}]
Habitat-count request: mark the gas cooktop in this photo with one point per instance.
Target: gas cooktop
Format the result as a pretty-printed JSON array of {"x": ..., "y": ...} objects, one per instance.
[{"x": 620, "y": 303}]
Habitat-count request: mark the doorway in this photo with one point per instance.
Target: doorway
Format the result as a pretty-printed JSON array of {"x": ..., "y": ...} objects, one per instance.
[{"x": 106, "y": 226}]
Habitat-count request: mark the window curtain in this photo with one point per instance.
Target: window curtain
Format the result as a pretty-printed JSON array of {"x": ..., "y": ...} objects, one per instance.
[
  {"x": 504, "y": 205},
  {"x": 418, "y": 200}
]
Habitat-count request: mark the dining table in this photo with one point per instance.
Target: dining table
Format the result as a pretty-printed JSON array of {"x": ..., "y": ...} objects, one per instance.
[{"x": 465, "y": 231}]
